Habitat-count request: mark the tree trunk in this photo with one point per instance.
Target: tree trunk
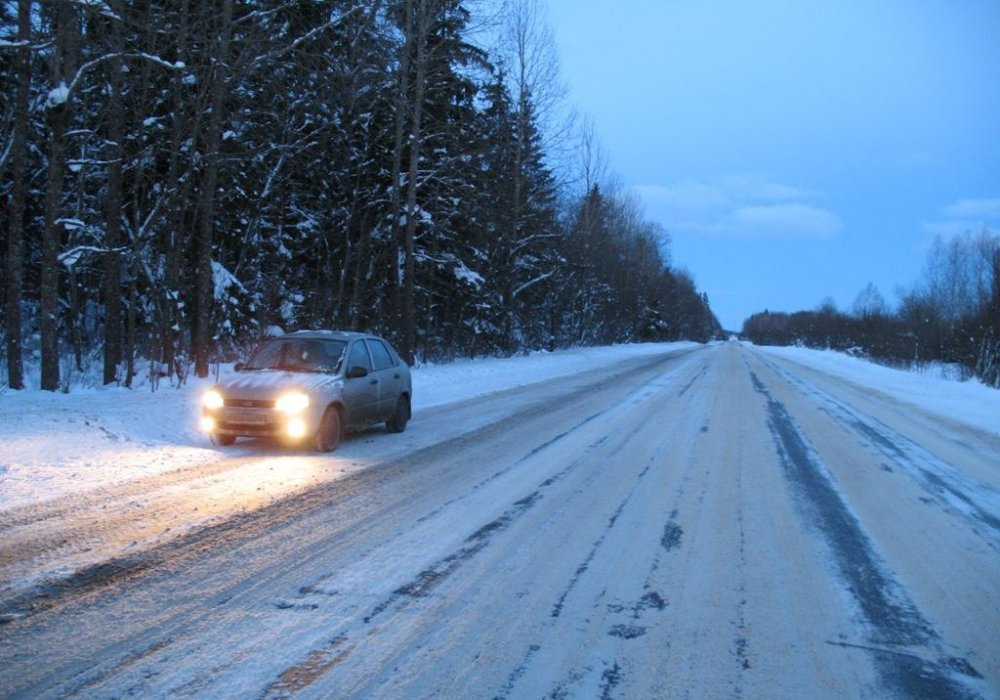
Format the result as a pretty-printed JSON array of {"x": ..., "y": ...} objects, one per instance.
[
  {"x": 172, "y": 236},
  {"x": 409, "y": 268},
  {"x": 63, "y": 67},
  {"x": 202, "y": 330},
  {"x": 130, "y": 324},
  {"x": 15, "y": 235},
  {"x": 113, "y": 209},
  {"x": 174, "y": 239},
  {"x": 396, "y": 205}
]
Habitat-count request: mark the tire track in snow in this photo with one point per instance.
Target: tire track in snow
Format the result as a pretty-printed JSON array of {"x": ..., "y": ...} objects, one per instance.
[
  {"x": 948, "y": 487},
  {"x": 72, "y": 505},
  {"x": 432, "y": 577},
  {"x": 671, "y": 531},
  {"x": 582, "y": 569},
  {"x": 299, "y": 676},
  {"x": 945, "y": 484},
  {"x": 633, "y": 613},
  {"x": 493, "y": 477},
  {"x": 443, "y": 569},
  {"x": 421, "y": 585},
  {"x": 900, "y": 631},
  {"x": 741, "y": 644}
]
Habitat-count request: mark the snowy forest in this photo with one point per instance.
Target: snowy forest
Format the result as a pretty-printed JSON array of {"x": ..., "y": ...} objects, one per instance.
[
  {"x": 180, "y": 176},
  {"x": 951, "y": 315}
]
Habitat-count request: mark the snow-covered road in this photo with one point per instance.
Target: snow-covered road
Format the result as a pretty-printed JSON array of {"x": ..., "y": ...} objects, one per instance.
[{"x": 696, "y": 522}]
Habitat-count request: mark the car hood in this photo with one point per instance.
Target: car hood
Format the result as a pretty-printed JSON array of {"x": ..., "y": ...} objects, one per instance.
[{"x": 267, "y": 383}]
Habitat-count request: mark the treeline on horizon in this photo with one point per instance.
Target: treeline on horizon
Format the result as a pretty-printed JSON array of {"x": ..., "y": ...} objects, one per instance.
[
  {"x": 180, "y": 176},
  {"x": 952, "y": 315}
]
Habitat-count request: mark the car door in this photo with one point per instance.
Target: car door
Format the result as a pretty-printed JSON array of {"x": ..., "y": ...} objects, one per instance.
[
  {"x": 388, "y": 375},
  {"x": 361, "y": 386}
]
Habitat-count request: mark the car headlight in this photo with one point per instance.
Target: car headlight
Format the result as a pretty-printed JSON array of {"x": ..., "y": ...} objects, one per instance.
[
  {"x": 212, "y": 400},
  {"x": 292, "y": 402},
  {"x": 295, "y": 428}
]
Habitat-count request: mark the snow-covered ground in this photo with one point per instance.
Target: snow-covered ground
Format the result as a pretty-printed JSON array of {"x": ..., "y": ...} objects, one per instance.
[{"x": 54, "y": 444}]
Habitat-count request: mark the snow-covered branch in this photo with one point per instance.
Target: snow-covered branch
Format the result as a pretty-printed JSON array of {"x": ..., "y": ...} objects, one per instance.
[
  {"x": 531, "y": 283},
  {"x": 308, "y": 35},
  {"x": 71, "y": 257},
  {"x": 100, "y": 5},
  {"x": 62, "y": 92}
]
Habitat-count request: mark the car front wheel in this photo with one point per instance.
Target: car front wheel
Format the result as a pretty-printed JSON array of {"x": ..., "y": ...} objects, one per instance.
[
  {"x": 222, "y": 440},
  {"x": 328, "y": 435},
  {"x": 397, "y": 423}
]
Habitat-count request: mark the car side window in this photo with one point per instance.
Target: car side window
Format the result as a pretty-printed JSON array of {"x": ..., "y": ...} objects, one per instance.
[
  {"x": 383, "y": 360},
  {"x": 359, "y": 357}
]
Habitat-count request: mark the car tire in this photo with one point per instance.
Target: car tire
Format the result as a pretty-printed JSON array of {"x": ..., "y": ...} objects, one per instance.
[
  {"x": 397, "y": 423},
  {"x": 328, "y": 435},
  {"x": 222, "y": 440}
]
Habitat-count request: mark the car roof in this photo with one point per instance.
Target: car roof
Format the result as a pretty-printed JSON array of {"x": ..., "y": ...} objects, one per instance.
[{"x": 327, "y": 334}]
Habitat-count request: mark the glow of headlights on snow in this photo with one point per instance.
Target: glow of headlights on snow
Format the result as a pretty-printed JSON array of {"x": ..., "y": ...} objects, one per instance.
[
  {"x": 258, "y": 480},
  {"x": 292, "y": 402}
]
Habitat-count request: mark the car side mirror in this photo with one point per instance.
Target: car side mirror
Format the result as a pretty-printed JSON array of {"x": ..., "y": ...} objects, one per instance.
[{"x": 357, "y": 372}]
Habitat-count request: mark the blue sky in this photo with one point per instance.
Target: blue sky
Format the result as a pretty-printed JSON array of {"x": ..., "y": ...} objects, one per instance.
[{"x": 794, "y": 150}]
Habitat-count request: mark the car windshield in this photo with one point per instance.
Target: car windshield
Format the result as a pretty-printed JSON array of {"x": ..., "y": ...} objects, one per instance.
[{"x": 298, "y": 355}]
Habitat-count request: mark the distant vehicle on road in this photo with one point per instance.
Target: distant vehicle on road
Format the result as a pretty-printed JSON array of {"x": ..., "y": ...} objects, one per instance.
[{"x": 311, "y": 386}]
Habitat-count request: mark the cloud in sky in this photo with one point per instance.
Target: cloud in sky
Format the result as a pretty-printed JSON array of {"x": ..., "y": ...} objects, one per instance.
[
  {"x": 745, "y": 207},
  {"x": 792, "y": 220},
  {"x": 985, "y": 209},
  {"x": 965, "y": 215}
]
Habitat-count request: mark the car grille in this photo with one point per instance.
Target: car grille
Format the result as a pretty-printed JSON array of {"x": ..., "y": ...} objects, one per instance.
[
  {"x": 248, "y": 403},
  {"x": 268, "y": 430}
]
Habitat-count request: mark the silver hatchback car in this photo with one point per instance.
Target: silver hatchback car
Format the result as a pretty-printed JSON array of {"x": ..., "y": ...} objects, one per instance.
[{"x": 311, "y": 385}]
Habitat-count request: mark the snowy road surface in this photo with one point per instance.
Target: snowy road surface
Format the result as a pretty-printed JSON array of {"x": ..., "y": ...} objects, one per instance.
[{"x": 708, "y": 522}]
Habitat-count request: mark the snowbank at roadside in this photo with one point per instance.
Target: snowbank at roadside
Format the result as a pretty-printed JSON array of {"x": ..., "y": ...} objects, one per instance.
[
  {"x": 465, "y": 379},
  {"x": 968, "y": 402}
]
